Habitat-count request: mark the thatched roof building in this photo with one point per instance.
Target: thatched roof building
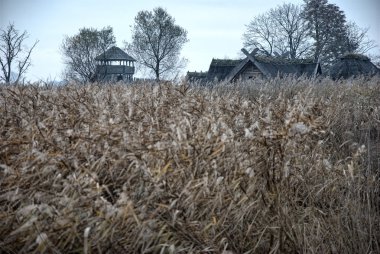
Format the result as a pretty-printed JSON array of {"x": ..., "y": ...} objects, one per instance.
[
  {"x": 353, "y": 65},
  {"x": 254, "y": 66},
  {"x": 114, "y": 65}
]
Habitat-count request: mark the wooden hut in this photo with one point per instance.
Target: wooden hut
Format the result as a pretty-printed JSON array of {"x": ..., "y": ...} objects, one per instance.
[
  {"x": 353, "y": 65},
  {"x": 114, "y": 65}
]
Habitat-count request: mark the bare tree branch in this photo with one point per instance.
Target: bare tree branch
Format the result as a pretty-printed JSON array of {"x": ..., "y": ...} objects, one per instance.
[
  {"x": 282, "y": 29},
  {"x": 12, "y": 51},
  {"x": 23, "y": 66},
  {"x": 357, "y": 40}
]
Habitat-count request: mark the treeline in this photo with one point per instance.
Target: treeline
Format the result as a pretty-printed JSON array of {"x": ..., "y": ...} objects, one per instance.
[{"x": 317, "y": 29}]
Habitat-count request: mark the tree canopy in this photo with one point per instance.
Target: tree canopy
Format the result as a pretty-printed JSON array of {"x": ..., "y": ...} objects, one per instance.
[
  {"x": 157, "y": 42},
  {"x": 80, "y": 50},
  {"x": 327, "y": 28}
]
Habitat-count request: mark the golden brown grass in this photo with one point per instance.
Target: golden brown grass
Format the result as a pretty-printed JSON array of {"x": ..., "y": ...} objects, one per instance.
[{"x": 281, "y": 167}]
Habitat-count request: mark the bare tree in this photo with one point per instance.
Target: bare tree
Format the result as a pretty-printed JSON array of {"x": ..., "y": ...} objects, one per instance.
[
  {"x": 157, "y": 42},
  {"x": 282, "y": 29},
  {"x": 80, "y": 50},
  {"x": 357, "y": 40},
  {"x": 13, "y": 51},
  {"x": 262, "y": 34},
  {"x": 292, "y": 29}
]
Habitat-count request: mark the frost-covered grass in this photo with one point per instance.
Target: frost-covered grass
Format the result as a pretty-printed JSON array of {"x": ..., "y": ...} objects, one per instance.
[{"x": 281, "y": 167}]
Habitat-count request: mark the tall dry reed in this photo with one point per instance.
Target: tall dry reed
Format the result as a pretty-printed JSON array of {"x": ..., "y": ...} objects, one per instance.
[{"x": 276, "y": 167}]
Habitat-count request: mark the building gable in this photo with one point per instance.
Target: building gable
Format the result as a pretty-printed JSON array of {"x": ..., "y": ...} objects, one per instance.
[
  {"x": 273, "y": 67},
  {"x": 248, "y": 71}
]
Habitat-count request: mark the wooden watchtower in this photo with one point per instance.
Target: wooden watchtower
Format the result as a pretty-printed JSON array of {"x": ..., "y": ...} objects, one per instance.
[{"x": 114, "y": 65}]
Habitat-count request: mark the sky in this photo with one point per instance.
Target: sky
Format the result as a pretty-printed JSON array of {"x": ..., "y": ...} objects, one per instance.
[{"x": 215, "y": 27}]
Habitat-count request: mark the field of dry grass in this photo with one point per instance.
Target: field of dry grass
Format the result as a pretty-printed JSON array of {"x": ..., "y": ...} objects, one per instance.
[{"x": 289, "y": 166}]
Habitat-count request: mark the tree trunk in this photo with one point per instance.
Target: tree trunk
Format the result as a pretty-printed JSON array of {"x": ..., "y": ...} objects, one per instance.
[
  {"x": 8, "y": 75},
  {"x": 157, "y": 71}
]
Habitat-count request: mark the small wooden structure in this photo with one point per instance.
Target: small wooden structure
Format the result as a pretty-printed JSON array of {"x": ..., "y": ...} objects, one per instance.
[
  {"x": 114, "y": 65},
  {"x": 253, "y": 67}
]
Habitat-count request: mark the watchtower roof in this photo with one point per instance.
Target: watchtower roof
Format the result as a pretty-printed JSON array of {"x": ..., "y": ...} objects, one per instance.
[{"x": 114, "y": 54}]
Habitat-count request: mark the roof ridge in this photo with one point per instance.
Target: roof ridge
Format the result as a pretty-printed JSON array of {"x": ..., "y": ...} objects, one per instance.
[{"x": 282, "y": 61}]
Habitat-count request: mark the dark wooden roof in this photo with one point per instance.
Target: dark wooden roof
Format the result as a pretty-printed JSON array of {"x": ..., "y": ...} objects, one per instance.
[
  {"x": 351, "y": 65},
  {"x": 114, "y": 54}
]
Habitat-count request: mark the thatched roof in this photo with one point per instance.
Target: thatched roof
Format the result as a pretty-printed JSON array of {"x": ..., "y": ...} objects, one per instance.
[
  {"x": 282, "y": 61},
  {"x": 220, "y": 68},
  {"x": 114, "y": 54},
  {"x": 352, "y": 65},
  {"x": 196, "y": 76}
]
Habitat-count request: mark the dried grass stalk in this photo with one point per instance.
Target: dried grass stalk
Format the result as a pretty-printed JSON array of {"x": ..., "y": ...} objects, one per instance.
[{"x": 276, "y": 167}]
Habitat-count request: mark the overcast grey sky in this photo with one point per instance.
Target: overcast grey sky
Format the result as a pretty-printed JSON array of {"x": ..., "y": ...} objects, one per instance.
[{"x": 215, "y": 27}]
